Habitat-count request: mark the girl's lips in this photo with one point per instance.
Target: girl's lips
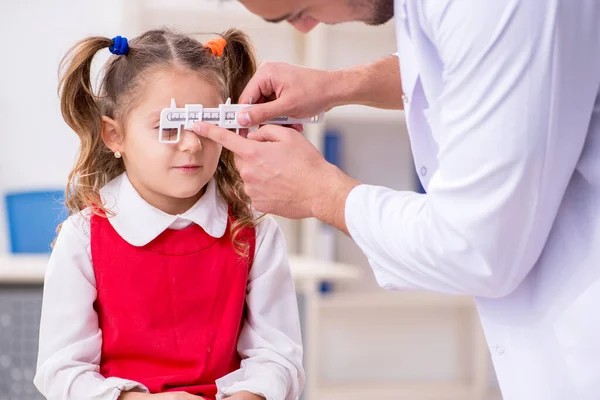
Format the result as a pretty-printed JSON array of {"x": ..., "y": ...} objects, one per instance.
[{"x": 188, "y": 169}]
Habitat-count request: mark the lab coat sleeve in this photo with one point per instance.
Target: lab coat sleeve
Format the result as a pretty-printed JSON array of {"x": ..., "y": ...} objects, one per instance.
[
  {"x": 510, "y": 123},
  {"x": 70, "y": 338},
  {"x": 270, "y": 341}
]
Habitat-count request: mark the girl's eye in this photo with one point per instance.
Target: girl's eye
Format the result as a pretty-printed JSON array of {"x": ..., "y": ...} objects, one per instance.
[{"x": 168, "y": 134}]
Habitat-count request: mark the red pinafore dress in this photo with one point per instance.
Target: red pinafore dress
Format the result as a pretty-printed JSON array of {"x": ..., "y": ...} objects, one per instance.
[{"x": 171, "y": 311}]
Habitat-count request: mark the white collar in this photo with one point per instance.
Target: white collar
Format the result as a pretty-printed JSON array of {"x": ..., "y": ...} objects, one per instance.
[{"x": 138, "y": 223}]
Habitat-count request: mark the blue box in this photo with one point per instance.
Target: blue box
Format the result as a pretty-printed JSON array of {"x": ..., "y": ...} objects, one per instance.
[{"x": 33, "y": 217}]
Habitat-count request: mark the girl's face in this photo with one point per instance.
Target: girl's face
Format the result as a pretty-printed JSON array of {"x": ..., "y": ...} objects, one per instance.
[{"x": 171, "y": 177}]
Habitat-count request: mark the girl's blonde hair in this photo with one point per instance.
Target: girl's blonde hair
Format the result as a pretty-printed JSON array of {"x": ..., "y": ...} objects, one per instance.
[{"x": 122, "y": 77}]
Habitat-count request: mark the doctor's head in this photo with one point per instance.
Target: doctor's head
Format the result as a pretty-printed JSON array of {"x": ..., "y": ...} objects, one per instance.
[{"x": 304, "y": 15}]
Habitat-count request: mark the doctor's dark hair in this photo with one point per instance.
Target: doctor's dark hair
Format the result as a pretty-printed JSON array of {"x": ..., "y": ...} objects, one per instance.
[{"x": 118, "y": 91}]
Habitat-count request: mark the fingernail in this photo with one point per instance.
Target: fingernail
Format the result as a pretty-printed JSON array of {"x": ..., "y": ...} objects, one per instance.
[
  {"x": 243, "y": 118},
  {"x": 198, "y": 127}
]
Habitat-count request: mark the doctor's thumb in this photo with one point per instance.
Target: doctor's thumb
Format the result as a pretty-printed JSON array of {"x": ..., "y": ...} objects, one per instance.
[{"x": 260, "y": 113}]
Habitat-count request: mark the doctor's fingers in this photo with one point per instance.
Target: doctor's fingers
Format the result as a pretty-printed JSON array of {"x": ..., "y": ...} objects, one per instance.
[
  {"x": 230, "y": 140},
  {"x": 293, "y": 91}
]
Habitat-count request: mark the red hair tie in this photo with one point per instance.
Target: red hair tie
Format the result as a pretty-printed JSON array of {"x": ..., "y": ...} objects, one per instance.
[{"x": 216, "y": 46}]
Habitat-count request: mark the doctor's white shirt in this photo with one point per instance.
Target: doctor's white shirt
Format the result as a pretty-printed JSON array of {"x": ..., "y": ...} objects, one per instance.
[{"x": 502, "y": 102}]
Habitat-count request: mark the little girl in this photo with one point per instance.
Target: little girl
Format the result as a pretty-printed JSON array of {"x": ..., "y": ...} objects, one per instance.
[{"x": 163, "y": 282}]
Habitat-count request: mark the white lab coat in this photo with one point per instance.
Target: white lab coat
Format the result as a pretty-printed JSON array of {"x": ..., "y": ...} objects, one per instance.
[{"x": 502, "y": 102}]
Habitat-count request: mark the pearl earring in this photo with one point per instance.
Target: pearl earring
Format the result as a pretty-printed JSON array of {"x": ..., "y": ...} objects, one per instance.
[{"x": 117, "y": 154}]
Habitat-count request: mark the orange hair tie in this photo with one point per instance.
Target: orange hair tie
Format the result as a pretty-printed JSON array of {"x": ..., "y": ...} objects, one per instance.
[{"x": 216, "y": 46}]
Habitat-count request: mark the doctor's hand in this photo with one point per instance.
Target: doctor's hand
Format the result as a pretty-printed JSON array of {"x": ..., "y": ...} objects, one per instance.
[
  {"x": 285, "y": 89},
  {"x": 284, "y": 174},
  {"x": 290, "y": 90}
]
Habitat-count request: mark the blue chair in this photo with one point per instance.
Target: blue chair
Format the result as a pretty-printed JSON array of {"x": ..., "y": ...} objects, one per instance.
[{"x": 32, "y": 220}]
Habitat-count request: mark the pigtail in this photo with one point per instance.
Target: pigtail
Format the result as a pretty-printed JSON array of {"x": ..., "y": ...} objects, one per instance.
[
  {"x": 78, "y": 103},
  {"x": 81, "y": 110},
  {"x": 239, "y": 65},
  {"x": 239, "y": 62}
]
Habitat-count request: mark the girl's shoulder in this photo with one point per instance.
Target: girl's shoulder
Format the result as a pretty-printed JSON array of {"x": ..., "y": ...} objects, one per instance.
[
  {"x": 73, "y": 236},
  {"x": 265, "y": 225},
  {"x": 80, "y": 223}
]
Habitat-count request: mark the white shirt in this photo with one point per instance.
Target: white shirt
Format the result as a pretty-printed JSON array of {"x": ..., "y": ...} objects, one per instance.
[
  {"x": 503, "y": 109},
  {"x": 70, "y": 339}
]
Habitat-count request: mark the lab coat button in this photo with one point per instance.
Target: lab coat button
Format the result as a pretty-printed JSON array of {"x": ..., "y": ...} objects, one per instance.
[
  {"x": 423, "y": 171},
  {"x": 499, "y": 350}
]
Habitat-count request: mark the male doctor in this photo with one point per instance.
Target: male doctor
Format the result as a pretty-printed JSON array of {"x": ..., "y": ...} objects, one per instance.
[{"x": 502, "y": 102}]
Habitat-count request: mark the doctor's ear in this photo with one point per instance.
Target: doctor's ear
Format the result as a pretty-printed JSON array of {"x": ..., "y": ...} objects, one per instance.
[{"x": 112, "y": 135}]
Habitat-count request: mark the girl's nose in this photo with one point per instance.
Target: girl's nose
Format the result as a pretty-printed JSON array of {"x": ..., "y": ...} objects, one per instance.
[{"x": 190, "y": 142}]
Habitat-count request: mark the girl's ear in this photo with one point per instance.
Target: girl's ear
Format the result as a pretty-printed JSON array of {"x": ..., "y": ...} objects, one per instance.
[{"x": 111, "y": 134}]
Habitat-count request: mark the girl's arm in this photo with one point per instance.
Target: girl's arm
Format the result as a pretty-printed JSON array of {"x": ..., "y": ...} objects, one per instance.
[
  {"x": 270, "y": 342},
  {"x": 70, "y": 339}
]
